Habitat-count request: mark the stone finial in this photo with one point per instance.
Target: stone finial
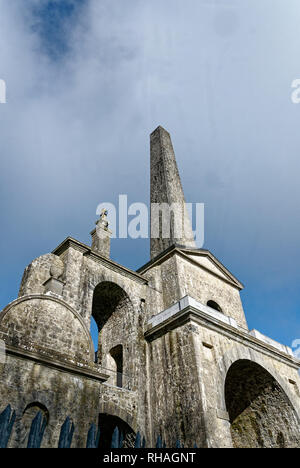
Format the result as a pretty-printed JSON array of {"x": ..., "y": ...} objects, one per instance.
[
  {"x": 166, "y": 188},
  {"x": 103, "y": 218},
  {"x": 54, "y": 284},
  {"x": 101, "y": 235},
  {"x": 57, "y": 268}
]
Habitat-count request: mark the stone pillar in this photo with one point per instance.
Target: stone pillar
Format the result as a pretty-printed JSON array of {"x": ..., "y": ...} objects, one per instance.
[
  {"x": 166, "y": 193},
  {"x": 101, "y": 236}
]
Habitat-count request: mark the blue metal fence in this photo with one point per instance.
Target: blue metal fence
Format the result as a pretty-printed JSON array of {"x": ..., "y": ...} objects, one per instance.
[{"x": 38, "y": 426}]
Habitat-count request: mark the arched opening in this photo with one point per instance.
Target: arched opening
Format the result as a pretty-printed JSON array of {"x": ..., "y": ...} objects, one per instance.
[
  {"x": 94, "y": 334},
  {"x": 214, "y": 305},
  {"x": 108, "y": 298},
  {"x": 29, "y": 414},
  {"x": 260, "y": 413},
  {"x": 116, "y": 354},
  {"x": 112, "y": 314},
  {"x": 107, "y": 425}
]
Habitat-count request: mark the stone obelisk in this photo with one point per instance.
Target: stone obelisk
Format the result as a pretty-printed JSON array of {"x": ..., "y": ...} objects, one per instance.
[{"x": 170, "y": 223}]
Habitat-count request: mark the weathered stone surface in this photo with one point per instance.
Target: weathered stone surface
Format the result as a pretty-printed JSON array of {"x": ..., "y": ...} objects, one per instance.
[
  {"x": 178, "y": 275},
  {"x": 166, "y": 188},
  {"x": 193, "y": 373},
  {"x": 55, "y": 286},
  {"x": 260, "y": 412},
  {"x": 24, "y": 382},
  {"x": 47, "y": 323},
  {"x": 101, "y": 236},
  {"x": 38, "y": 272}
]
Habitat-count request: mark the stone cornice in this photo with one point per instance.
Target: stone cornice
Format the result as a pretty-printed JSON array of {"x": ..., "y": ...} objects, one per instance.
[
  {"x": 82, "y": 369},
  {"x": 193, "y": 314},
  {"x": 115, "y": 267},
  {"x": 98, "y": 258}
]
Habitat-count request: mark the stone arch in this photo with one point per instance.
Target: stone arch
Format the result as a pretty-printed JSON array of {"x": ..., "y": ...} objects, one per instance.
[
  {"x": 113, "y": 311},
  {"x": 107, "y": 297},
  {"x": 113, "y": 410},
  {"x": 214, "y": 305},
  {"x": 260, "y": 413},
  {"x": 107, "y": 424},
  {"x": 29, "y": 413},
  {"x": 105, "y": 275},
  {"x": 108, "y": 276},
  {"x": 262, "y": 410},
  {"x": 37, "y": 406},
  {"x": 116, "y": 360},
  {"x": 238, "y": 352}
]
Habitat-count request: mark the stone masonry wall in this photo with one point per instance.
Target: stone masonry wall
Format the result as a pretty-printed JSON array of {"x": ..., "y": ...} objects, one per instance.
[
  {"x": 261, "y": 415},
  {"x": 204, "y": 286},
  {"x": 177, "y": 277},
  {"x": 215, "y": 353},
  {"x": 175, "y": 391},
  {"x": 44, "y": 322},
  {"x": 24, "y": 382},
  {"x": 188, "y": 368},
  {"x": 37, "y": 273}
]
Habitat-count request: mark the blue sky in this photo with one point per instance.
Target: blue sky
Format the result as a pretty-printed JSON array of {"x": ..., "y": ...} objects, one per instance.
[{"x": 87, "y": 81}]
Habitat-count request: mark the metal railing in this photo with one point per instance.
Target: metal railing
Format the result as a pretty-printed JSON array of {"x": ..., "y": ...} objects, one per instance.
[{"x": 117, "y": 379}]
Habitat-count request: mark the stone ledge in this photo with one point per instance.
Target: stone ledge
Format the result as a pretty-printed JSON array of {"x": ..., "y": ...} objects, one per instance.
[
  {"x": 271, "y": 342},
  {"x": 118, "y": 389},
  {"x": 79, "y": 368},
  {"x": 185, "y": 302},
  {"x": 221, "y": 414},
  {"x": 188, "y": 309}
]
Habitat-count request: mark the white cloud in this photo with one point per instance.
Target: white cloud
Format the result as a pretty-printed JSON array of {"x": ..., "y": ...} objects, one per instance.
[{"x": 74, "y": 132}]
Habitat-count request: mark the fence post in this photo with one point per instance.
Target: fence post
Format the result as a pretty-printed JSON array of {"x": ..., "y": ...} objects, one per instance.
[
  {"x": 121, "y": 440},
  {"x": 158, "y": 442},
  {"x": 6, "y": 424},
  {"x": 37, "y": 430},
  {"x": 115, "y": 441},
  {"x": 137, "y": 443},
  {"x": 66, "y": 434},
  {"x": 93, "y": 437}
]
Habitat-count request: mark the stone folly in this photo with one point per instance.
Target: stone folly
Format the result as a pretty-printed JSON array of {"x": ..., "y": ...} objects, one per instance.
[{"x": 175, "y": 355}]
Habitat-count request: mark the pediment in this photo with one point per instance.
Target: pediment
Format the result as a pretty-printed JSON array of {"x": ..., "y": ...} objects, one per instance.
[{"x": 209, "y": 262}]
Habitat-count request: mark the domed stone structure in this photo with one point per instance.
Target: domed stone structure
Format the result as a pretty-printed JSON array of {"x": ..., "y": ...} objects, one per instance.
[{"x": 49, "y": 325}]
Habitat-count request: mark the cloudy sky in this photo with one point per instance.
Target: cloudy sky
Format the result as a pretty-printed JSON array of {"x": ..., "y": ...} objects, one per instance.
[{"x": 88, "y": 80}]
